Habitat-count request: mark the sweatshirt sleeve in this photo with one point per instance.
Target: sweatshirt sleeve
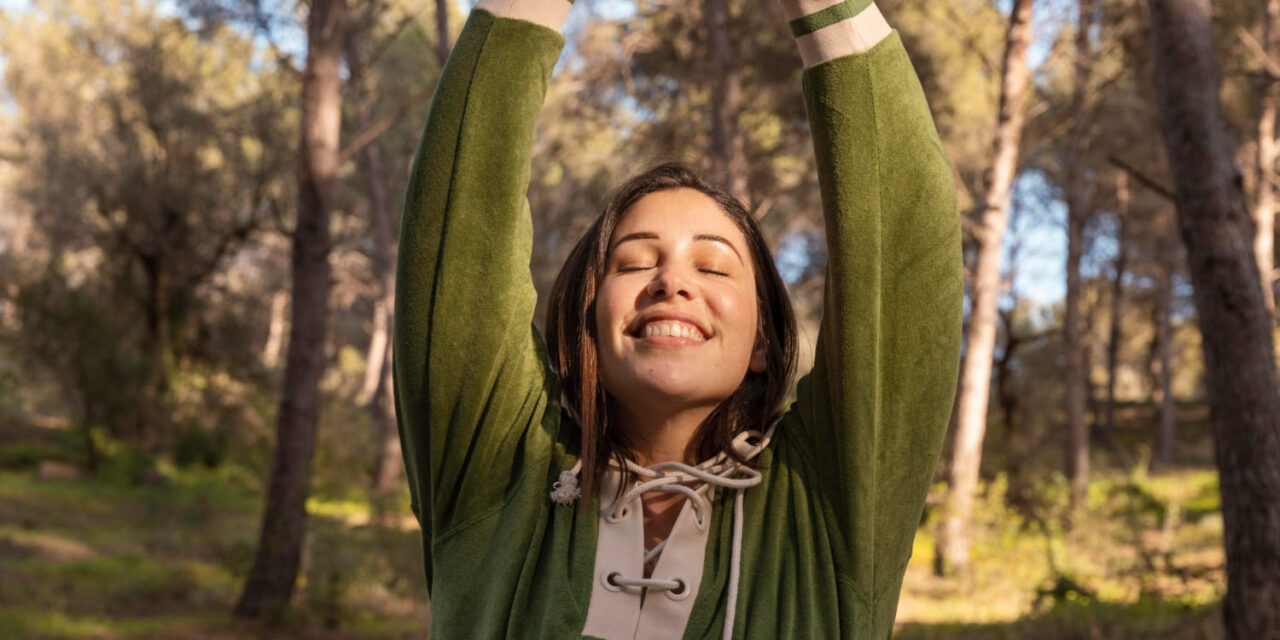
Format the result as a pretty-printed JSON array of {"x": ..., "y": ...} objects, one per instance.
[
  {"x": 875, "y": 407},
  {"x": 470, "y": 369}
]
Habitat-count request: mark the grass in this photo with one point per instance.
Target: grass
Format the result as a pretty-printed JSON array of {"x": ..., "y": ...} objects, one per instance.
[
  {"x": 1144, "y": 561},
  {"x": 87, "y": 559}
]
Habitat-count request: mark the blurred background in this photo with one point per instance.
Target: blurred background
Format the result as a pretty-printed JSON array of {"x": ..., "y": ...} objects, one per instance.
[{"x": 170, "y": 253}]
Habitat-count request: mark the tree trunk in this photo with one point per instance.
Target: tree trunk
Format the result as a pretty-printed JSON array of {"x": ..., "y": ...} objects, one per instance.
[
  {"x": 389, "y": 461},
  {"x": 1264, "y": 210},
  {"x": 377, "y": 393},
  {"x": 275, "y": 570},
  {"x": 442, "y": 31},
  {"x": 379, "y": 339},
  {"x": 1240, "y": 369},
  {"x": 1117, "y": 298},
  {"x": 728, "y": 150},
  {"x": 954, "y": 532},
  {"x": 1164, "y": 336},
  {"x": 1077, "y": 452},
  {"x": 275, "y": 330}
]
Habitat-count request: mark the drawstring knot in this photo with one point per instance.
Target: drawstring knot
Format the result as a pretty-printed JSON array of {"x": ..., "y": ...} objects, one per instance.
[{"x": 566, "y": 490}]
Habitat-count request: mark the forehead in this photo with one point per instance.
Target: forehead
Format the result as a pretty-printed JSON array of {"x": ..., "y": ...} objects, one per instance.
[{"x": 676, "y": 213}]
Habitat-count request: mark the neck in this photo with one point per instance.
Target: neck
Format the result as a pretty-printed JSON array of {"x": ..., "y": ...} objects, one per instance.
[{"x": 657, "y": 436}]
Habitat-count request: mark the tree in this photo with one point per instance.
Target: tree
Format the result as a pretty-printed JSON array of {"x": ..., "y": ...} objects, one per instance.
[
  {"x": 442, "y": 31},
  {"x": 726, "y": 98},
  {"x": 975, "y": 386},
  {"x": 1078, "y": 209},
  {"x": 153, "y": 145},
  {"x": 1117, "y": 299},
  {"x": 284, "y": 522},
  {"x": 1164, "y": 348},
  {"x": 376, "y": 394},
  {"x": 1241, "y": 378},
  {"x": 1264, "y": 208}
]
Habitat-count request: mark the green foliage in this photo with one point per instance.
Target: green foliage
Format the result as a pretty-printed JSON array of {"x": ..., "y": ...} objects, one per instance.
[
  {"x": 1129, "y": 565},
  {"x": 121, "y": 463},
  {"x": 25, "y": 456},
  {"x": 104, "y": 382}
]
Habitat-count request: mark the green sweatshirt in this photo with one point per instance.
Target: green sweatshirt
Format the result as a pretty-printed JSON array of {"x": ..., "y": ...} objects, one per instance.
[{"x": 828, "y": 531}]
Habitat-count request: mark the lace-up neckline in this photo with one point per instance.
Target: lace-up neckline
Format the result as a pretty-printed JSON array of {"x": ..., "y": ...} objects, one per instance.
[{"x": 722, "y": 470}]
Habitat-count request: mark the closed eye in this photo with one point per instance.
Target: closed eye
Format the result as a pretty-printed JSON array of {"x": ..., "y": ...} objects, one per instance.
[
  {"x": 713, "y": 272},
  {"x": 630, "y": 269}
]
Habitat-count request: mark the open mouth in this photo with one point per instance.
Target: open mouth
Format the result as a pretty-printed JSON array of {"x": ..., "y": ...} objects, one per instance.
[{"x": 669, "y": 328}]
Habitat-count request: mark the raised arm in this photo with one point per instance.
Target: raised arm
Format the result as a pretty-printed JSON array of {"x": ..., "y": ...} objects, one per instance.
[
  {"x": 469, "y": 367},
  {"x": 875, "y": 407}
]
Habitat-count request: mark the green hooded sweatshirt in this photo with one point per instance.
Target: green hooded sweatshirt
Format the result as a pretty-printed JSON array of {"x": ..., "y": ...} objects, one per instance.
[{"x": 826, "y": 533}]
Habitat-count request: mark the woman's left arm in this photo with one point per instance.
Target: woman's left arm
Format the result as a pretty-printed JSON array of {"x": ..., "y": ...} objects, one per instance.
[{"x": 875, "y": 407}]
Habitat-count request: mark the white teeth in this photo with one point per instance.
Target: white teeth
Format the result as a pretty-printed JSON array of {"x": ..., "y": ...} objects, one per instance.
[{"x": 673, "y": 328}]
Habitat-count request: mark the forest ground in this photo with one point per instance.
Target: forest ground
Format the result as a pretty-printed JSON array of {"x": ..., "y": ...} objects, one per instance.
[{"x": 163, "y": 554}]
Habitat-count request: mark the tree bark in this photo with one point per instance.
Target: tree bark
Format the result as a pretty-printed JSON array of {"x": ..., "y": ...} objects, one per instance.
[
  {"x": 377, "y": 392},
  {"x": 1164, "y": 336},
  {"x": 954, "y": 532},
  {"x": 1117, "y": 297},
  {"x": 728, "y": 149},
  {"x": 442, "y": 31},
  {"x": 1264, "y": 210},
  {"x": 1240, "y": 369},
  {"x": 275, "y": 570},
  {"x": 275, "y": 330},
  {"x": 1077, "y": 452}
]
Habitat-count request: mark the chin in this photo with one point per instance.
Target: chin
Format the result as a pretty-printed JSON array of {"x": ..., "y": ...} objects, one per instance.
[{"x": 670, "y": 387}]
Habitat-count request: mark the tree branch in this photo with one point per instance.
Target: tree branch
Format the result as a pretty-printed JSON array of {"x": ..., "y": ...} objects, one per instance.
[
  {"x": 380, "y": 127},
  {"x": 1148, "y": 181},
  {"x": 1269, "y": 64}
]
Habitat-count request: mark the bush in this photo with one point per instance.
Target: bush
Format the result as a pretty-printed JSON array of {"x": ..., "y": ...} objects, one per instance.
[{"x": 26, "y": 456}]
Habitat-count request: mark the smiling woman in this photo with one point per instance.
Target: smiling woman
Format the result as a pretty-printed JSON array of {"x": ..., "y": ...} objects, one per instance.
[
  {"x": 670, "y": 344},
  {"x": 692, "y": 344}
]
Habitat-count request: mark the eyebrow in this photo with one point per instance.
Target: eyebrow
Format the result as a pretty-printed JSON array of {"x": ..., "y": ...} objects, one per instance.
[{"x": 649, "y": 235}]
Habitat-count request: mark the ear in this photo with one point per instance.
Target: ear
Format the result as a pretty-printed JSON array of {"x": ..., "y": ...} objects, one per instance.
[{"x": 759, "y": 352}]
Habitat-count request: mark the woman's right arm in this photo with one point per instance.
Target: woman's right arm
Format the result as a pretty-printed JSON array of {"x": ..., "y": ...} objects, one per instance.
[{"x": 470, "y": 373}]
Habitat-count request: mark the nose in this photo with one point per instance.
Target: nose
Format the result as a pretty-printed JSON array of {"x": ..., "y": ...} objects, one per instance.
[{"x": 669, "y": 282}]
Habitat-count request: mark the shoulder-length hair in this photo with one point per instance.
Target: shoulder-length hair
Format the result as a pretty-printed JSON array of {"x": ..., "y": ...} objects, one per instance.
[{"x": 571, "y": 332}]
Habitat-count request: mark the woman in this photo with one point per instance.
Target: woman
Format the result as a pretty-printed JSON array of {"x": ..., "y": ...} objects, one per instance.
[{"x": 670, "y": 342}]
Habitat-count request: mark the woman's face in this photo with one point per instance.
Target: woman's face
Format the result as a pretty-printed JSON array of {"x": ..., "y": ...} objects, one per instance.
[{"x": 676, "y": 312}]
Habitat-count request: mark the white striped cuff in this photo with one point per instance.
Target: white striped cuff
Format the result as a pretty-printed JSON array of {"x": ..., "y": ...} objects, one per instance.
[
  {"x": 826, "y": 30},
  {"x": 548, "y": 13}
]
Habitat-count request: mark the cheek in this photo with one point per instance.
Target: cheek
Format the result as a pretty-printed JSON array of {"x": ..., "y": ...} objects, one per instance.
[
  {"x": 737, "y": 309},
  {"x": 611, "y": 305}
]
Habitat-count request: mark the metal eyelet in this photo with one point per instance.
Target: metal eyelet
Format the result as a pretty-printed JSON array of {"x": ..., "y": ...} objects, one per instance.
[
  {"x": 606, "y": 578},
  {"x": 614, "y": 517},
  {"x": 681, "y": 592}
]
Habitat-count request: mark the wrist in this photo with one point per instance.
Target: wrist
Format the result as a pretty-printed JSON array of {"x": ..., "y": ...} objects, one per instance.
[
  {"x": 548, "y": 13},
  {"x": 830, "y": 29}
]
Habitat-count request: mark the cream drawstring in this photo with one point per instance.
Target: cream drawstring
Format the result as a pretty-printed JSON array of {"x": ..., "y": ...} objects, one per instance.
[{"x": 670, "y": 477}]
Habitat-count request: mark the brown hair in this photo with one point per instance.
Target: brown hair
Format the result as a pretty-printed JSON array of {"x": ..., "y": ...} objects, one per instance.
[{"x": 571, "y": 331}]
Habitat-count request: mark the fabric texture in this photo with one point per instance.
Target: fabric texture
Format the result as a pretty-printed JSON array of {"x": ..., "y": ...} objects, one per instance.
[{"x": 828, "y": 530}]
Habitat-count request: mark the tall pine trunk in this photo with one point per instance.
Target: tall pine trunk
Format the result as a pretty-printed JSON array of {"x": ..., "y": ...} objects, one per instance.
[
  {"x": 284, "y": 522},
  {"x": 1117, "y": 298},
  {"x": 1240, "y": 369},
  {"x": 954, "y": 532},
  {"x": 1077, "y": 451},
  {"x": 442, "y": 31},
  {"x": 377, "y": 392},
  {"x": 1264, "y": 209},
  {"x": 728, "y": 150},
  {"x": 1164, "y": 337}
]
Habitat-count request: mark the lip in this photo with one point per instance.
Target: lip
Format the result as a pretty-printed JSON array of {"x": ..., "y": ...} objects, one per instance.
[{"x": 654, "y": 316}]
